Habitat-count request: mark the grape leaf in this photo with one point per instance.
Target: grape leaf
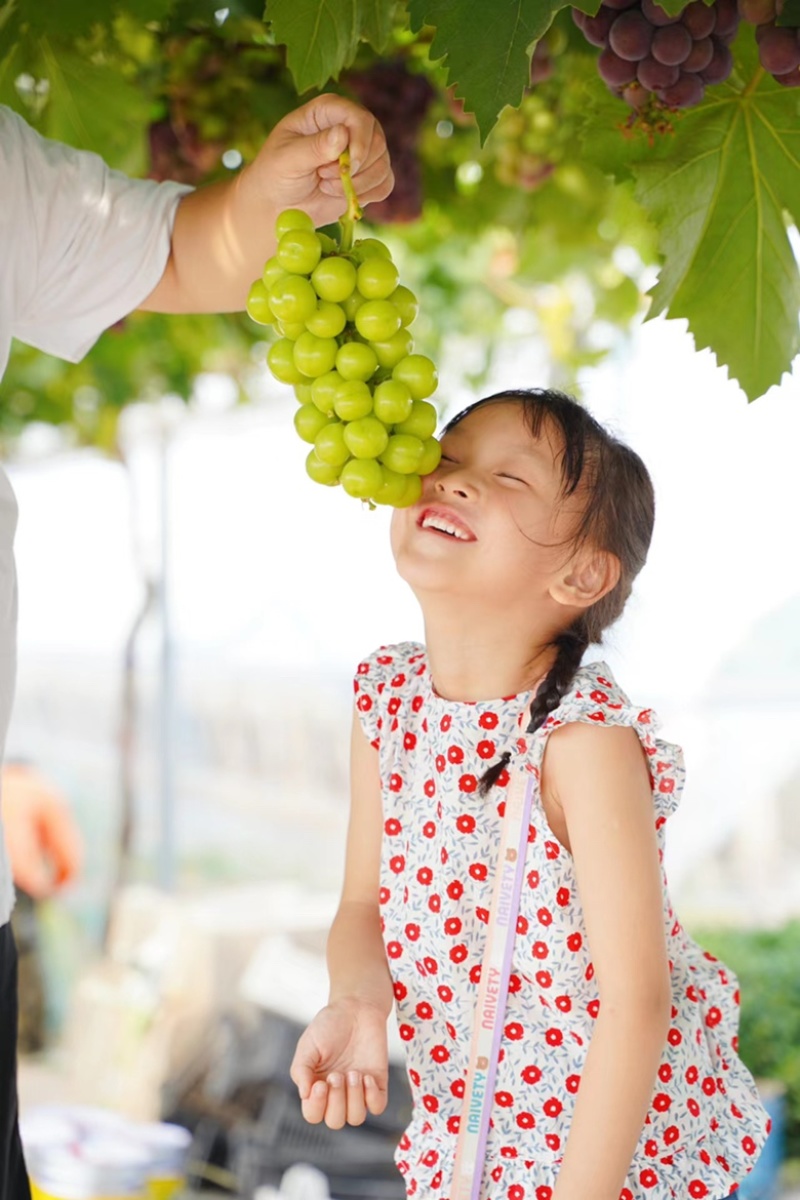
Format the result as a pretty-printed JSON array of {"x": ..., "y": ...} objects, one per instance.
[
  {"x": 719, "y": 190},
  {"x": 322, "y": 36},
  {"x": 486, "y": 47}
]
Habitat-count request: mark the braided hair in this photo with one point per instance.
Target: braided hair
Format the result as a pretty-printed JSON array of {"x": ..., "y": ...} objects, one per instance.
[{"x": 618, "y": 516}]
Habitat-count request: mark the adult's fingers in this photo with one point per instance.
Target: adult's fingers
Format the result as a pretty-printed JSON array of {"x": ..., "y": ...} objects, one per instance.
[
  {"x": 328, "y": 110},
  {"x": 376, "y": 1095},
  {"x": 315, "y": 1103},
  {"x": 356, "y": 1104},
  {"x": 336, "y": 1108}
]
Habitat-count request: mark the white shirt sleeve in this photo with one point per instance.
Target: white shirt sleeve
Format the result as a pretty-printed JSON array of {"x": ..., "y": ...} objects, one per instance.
[{"x": 82, "y": 245}]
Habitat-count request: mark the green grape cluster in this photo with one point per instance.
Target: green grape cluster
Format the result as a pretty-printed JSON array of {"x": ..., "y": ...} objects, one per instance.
[{"x": 342, "y": 320}]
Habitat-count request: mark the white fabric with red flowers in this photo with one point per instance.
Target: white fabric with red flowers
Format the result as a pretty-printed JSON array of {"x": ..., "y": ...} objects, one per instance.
[{"x": 706, "y": 1124}]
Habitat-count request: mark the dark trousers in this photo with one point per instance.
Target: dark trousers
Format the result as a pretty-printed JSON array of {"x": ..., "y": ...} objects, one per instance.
[{"x": 13, "y": 1176}]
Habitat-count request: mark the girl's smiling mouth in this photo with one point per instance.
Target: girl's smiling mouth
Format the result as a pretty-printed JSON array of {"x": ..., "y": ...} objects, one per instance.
[{"x": 446, "y": 522}]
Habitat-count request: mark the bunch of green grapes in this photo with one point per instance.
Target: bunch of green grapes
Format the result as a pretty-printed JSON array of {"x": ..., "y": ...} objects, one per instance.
[{"x": 342, "y": 318}]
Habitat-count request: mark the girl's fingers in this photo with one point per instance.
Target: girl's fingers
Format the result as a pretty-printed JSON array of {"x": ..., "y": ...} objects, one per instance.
[
  {"x": 336, "y": 1108},
  {"x": 315, "y": 1103},
  {"x": 376, "y": 1096},
  {"x": 356, "y": 1105}
]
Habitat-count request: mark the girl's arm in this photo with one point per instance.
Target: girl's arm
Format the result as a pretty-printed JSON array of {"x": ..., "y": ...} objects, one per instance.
[
  {"x": 600, "y": 778},
  {"x": 341, "y": 1063}
]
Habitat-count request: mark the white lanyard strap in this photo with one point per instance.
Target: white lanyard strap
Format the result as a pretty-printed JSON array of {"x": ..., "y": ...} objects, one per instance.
[{"x": 490, "y": 1009}]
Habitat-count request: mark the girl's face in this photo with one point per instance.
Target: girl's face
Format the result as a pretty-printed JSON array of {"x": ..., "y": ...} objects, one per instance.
[{"x": 491, "y": 522}]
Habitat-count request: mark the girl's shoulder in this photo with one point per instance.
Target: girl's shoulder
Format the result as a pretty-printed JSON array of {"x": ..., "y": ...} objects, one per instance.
[
  {"x": 401, "y": 658},
  {"x": 383, "y": 681}
]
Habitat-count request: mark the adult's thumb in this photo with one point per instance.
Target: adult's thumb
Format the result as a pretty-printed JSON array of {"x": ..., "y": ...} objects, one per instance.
[{"x": 330, "y": 143}]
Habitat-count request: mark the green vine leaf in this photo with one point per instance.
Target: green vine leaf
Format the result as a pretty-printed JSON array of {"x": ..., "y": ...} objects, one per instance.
[
  {"x": 721, "y": 189},
  {"x": 322, "y": 36}
]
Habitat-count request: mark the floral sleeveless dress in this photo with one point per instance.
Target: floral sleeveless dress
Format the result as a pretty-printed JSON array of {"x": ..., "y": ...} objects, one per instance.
[{"x": 706, "y": 1124}]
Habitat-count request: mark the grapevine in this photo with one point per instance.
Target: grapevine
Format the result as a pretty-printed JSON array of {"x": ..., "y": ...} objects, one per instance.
[{"x": 342, "y": 317}]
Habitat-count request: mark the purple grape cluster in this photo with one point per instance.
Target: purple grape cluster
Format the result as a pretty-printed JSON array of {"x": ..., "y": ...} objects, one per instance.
[
  {"x": 647, "y": 56},
  {"x": 778, "y": 45}
]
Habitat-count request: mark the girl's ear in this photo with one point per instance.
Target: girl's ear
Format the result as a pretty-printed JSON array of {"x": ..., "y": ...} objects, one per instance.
[{"x": 591, "y": 575}]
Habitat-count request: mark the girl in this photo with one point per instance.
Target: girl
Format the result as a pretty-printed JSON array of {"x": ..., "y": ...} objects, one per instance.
[{"x": 617, "y": 1075}]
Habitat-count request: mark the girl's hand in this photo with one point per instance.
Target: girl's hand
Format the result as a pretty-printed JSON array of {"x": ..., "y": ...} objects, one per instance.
[
  {"x": 341, "y": 1064},
  {"x": 298, "y": 165}
]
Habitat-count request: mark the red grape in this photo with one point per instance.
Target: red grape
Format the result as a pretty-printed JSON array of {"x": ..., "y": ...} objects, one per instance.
[
  {"x": 779, "y": 50},
  {"x": 720, "y": 66},
  {"x": 700, "y": 55},
  {"x": 615, "y": 71},
  {"x": 671, "y": 45},
  {"x": 595, "y": 29},
  {"x": 686, "y": 93},
  {"x": 656, "y": 15},
  {"x": 699, "y": 19},
  {"x": 631, "y": 35},
  {"x": 655, "y": 75}
]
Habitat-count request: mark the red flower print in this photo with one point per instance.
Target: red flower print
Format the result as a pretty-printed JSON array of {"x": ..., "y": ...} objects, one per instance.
[
  {"x": 693, "y": 1106},
  {"x": 488, "y": 720},
  {"x": 440, "y": 763},
  {"x": 429, "y": 788},
  {"x": 502, "y": 778},
  {"x": 504, "y": 1099},
  {"x": 574, "y": 942},
  {"x": 508, "y": 1152},
  {"x": 395, "y": 782},
  {"x": 553, "y": 849},
  {"x": 671, "y": 1135},
  {"x": 431, "y": 1103},
  {"x": 736, "y": 1112},
  {"x": 665, "y": 1072},
  {"x": 458, "y": 953},
  {"x": 482, "y": 914},
  {"x": 553, "y": 1141},
  {"x": 709, "y": 1085},
  {"x": 440, "y": 1054},
  {"x": 406, "y": 1032},
  {"x": 626, "y": 1194},
  {"x": 533, "y": 879},
  {"x": 393, "y": 707},
  {"x": 554, "y": 1037},
  {"x": 563, "y": 1003},
  {"x": 455, "y": 755},
  {"x": 452, "y": 926},
  {"x": 545, "y": 916},
  {"x": 544, "y": 979},
  {"x": 522, "y": 924},
  {"x": 572, "y": 1083},
  {"x": 400, "y": 990},
  {"x": 526, "y": 1120},
  {"x": 412, "y": 932},
  {"x": 413, "y": 1076},
  {"x": 455, "y": 889},
  {"x": 497, "y": 1172},
  {"x": 562, "y": 897},
  {"x": 648, "y": 1177},
  {"x": 394, "y": 949},
  {"x": 392, "y": 827},
  {"x": 553, "y": 1107},
  {"x": 431, "y": 1158},
  {"x": 435, "y": 902},
  {"x": 436, "y": 1182},
  {"x": 544, "y": 1192},
  {"x": 514, "y": 1031},
  {"x": 593, "y": 1008},
  {"x": 531, "y": 1074},
  {"x": 697, "y": 1189},
  {"x": 431, "y": 965},
  {"x": 692, "y": 1074},
  {"x": 651, "y": 1148},
  {"x": 363, "y": 703},
  {"x": 723, "y": 1162},
  {"x": 539, "y": 950},
  {"x": 486, "y": 749},
  {"x": 467, "y": 783},
  {"x": 589, "y": 972},
  {"x": 445, "y": 993},
  {"x": 425, "y": 875},
  {"x": 397, "y": 864},
  {"x": 409, "y": 741},
  {"x": 516, "y": 1192},
  {"x": 713, "y": 1017},
  {"x": 514, "y": 983},
  {"x": 465, "y": 823},
  {"x": 443, "y": 855},
  {"x": 383, "y": 895},
  {"x": 705, "y": 1157},
  {"x": 475, "y": 974},
  {"x": 666, "y": 785},
  {"x": 398, "y": 681},
  {"x": 424, "y": 1010},
  {"x": 445, "y": 723},
  {"x": 674, "y": 1037},
  {"x": 453, "y": 1124},
  {"x": 416, "y": 703},
  {"x": 457, "y": 1088},
  {"x": 597, "y": 716},
  {"x": 429, "y": 829},
  {"x": 478, "y": 871},
  {"x": 748, "y": 1145},
  {"x": 661, "y": 1102},
  {"x": 598, "y": 697}
]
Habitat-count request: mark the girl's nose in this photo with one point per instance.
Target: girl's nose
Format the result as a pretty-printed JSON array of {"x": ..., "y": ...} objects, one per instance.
[{"x": 454, "y": 482}]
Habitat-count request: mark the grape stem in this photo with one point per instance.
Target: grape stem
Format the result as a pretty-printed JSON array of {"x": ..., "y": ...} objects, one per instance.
[{"x": 354, "y": 212}]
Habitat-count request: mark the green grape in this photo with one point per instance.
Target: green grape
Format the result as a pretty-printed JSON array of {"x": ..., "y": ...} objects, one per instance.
[
  {"x": 392, "y": 403},
  {"x": 365, "y": 248},
  {"x": 273, "y": 271},
  {"x": 308, "y": 421},
  {"x": 292, "y": 299},
  {"x": 377, "y": 278},
  {"x": 431, "y": 455},
  {"x": 303, "y": 393},
  {"x": 406, "y": 303},
  {"x": 324, "y": 391},
  {"x": 321, "y": 472},
  {"x": 421, "y": 421},
  {"x": 334, "y": 279},
  {"x": 290, "y": 329},
  {"x": 280, "y": 360},
  {"x": 403, "y": 453},
  {"x": 258, "y": 306},
  {"x": 392, "y": 489},
  {"x": 299, "y": 251},
  {"x": 328, "y": 321},
  {"x": 352, "y": 304},
  {"x": 355, "y": 360},
  {"x": 330, "y": 445},
  {"x": 292, "y": 218},
  {"x": 353, "y": 400},
  {"x": 329, "y": 245},
  {"x": 419, "y": 375},
  {"x": 315, "y": 356},
  {"x": 377, "y": 320},
  {"x": 361, "y": 478},
  {"x": 412, "y": 493},
  {"x": 396, "y": 347},
  {"x": 366, "y": 437}
]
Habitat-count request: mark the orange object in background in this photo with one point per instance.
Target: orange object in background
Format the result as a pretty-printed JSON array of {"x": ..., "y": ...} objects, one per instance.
[{"x": 44, "y": 843}]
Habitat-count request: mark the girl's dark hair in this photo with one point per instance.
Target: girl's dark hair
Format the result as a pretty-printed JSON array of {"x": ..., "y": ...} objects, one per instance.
[{"x": 618, "y": 515}]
